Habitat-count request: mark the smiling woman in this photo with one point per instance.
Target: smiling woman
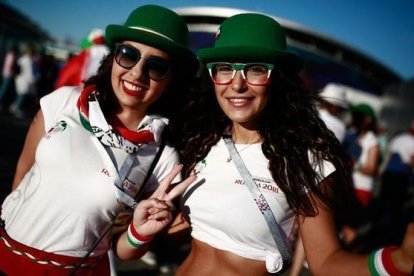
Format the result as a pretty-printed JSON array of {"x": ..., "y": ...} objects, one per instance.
[
  {"x": 286, "y": 170},
  {"x": 113, "y": 186},
  {"x": 139, "y": 82}
]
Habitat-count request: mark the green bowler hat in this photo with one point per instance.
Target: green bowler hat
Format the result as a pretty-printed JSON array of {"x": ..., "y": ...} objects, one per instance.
[
  {"x": 251, "y": 37},
  {"x": 155, "y": 26},
  {"x": 365, "y": 109}
]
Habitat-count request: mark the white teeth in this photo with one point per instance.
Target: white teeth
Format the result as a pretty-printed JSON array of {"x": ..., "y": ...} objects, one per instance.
[
  {"x": 238, "y": 100},
  {"x": 132, "y": 87}
]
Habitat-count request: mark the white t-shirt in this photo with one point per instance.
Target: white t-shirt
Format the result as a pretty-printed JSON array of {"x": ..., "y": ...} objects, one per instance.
[
  {"x": 25, "y": 79},
  {"x": 403, "y": 144},
  {"x": 222, "y": 211},
  {"x": 334, "y": 124},
  {"x": 68, "y": 197},
  {"x": 363, "y": 181}
]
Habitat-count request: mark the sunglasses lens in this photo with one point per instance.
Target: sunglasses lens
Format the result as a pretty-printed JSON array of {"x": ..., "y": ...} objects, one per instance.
[
  {"x": 126, "y": 56},
  {"x": 157, "y": 67}
]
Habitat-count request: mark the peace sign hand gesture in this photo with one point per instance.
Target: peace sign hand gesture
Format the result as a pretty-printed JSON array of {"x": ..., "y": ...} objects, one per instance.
[{"x": 153, "y": 214}]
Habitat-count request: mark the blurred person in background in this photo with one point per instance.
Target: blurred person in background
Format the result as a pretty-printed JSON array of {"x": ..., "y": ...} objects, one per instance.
[
  {"x": 96, "y": 166},
  {"x": 85, "y": 64},
  {"x": 364, "y": 125},
  {"x": 332, "y": 106},
  {"x": 396, "y": 178},
  {"x": 264, "y": 161},
  {"x": 25, "y": 82},
  {"x": 383, "y": 136},
  {"x": 48, "y": 67},
  {"x": 10, "y": 69},
  {"x": 364, "y": 150}
]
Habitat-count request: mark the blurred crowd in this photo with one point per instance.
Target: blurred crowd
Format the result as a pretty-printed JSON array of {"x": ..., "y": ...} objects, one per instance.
[
  {"x": 29, "y": 73},
  {"x": 381, "y": 164}
]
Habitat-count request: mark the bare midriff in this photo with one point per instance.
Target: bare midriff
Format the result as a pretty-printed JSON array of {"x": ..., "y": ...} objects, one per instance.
[{"x": 206, "y": 260}]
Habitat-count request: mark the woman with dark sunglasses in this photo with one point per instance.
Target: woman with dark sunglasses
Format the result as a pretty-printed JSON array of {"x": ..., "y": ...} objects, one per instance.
[
  {"x": 96, "y": 169},
  {"x": 266, "y": 164}
]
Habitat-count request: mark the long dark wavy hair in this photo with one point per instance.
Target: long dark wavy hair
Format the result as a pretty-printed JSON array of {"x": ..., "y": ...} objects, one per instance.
[
  {"x": 183, "y": 81},
  {"x": 290, "y": 127}
]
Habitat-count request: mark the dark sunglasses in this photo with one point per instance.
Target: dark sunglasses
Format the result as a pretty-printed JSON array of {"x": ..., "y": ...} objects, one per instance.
[{"x": 157, "y": 68}]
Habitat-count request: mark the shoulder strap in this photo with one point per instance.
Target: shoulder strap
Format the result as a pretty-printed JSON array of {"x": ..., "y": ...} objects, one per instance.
[
  {"x": 278, "y": 234},
  {"x": 147, "y": 177},
  {"x": 153, "y": 163},
  {"x": 128, "y": 201}
]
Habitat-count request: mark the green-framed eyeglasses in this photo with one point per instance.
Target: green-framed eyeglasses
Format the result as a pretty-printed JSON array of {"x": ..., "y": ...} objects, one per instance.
[{"x": 254, "y": 73}]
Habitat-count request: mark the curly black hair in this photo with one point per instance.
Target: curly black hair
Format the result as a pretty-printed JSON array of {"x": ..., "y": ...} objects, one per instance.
[{"x": 291, "y": 130}]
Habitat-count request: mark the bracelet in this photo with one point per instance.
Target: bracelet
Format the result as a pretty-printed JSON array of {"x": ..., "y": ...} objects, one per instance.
[
  {"x": 135, "y": 239},
  {"x": 380, "y": 263},
  {"x": 388, "y": 264}
]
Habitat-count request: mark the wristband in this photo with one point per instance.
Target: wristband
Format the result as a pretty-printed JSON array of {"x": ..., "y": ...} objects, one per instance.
[
  {"x": 380, "y": 263},
  {"x": 387, "y": 261},
  {"x": 135, "y": 239}
]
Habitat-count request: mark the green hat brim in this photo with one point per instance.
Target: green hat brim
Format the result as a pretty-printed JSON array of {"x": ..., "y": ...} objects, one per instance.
[
  {"x": 283, "y": 60},
  {"x": 118, "y": 33}
]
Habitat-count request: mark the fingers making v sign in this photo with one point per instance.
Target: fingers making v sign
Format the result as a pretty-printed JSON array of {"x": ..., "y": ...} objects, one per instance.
[{"x": 153, "y": 214}]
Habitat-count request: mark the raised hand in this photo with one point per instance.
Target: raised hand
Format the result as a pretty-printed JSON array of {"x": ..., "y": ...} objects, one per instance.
[{"x": 153, "y": 214}]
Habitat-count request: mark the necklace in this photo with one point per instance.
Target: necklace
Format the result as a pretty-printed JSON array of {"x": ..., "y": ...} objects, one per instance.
[{"x": 245, "y": 147}]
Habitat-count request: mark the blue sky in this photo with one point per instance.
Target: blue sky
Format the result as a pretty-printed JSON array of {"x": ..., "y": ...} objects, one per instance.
[{"x": 382, "y": 29}]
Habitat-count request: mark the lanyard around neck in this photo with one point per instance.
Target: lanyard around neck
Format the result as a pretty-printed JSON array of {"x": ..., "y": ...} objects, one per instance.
[
  {"x": 122, "y": 174},
  {"x": 277, "y": 232}
]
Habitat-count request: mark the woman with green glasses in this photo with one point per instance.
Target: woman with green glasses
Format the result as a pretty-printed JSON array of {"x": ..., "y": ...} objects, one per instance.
[{"x": 265, "y": 163}]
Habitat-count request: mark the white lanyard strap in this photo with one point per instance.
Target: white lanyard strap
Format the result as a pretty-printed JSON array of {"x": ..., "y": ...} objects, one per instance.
[
  {"x": 277, "y": 232},
  {"x": 123, "y": 172}
]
